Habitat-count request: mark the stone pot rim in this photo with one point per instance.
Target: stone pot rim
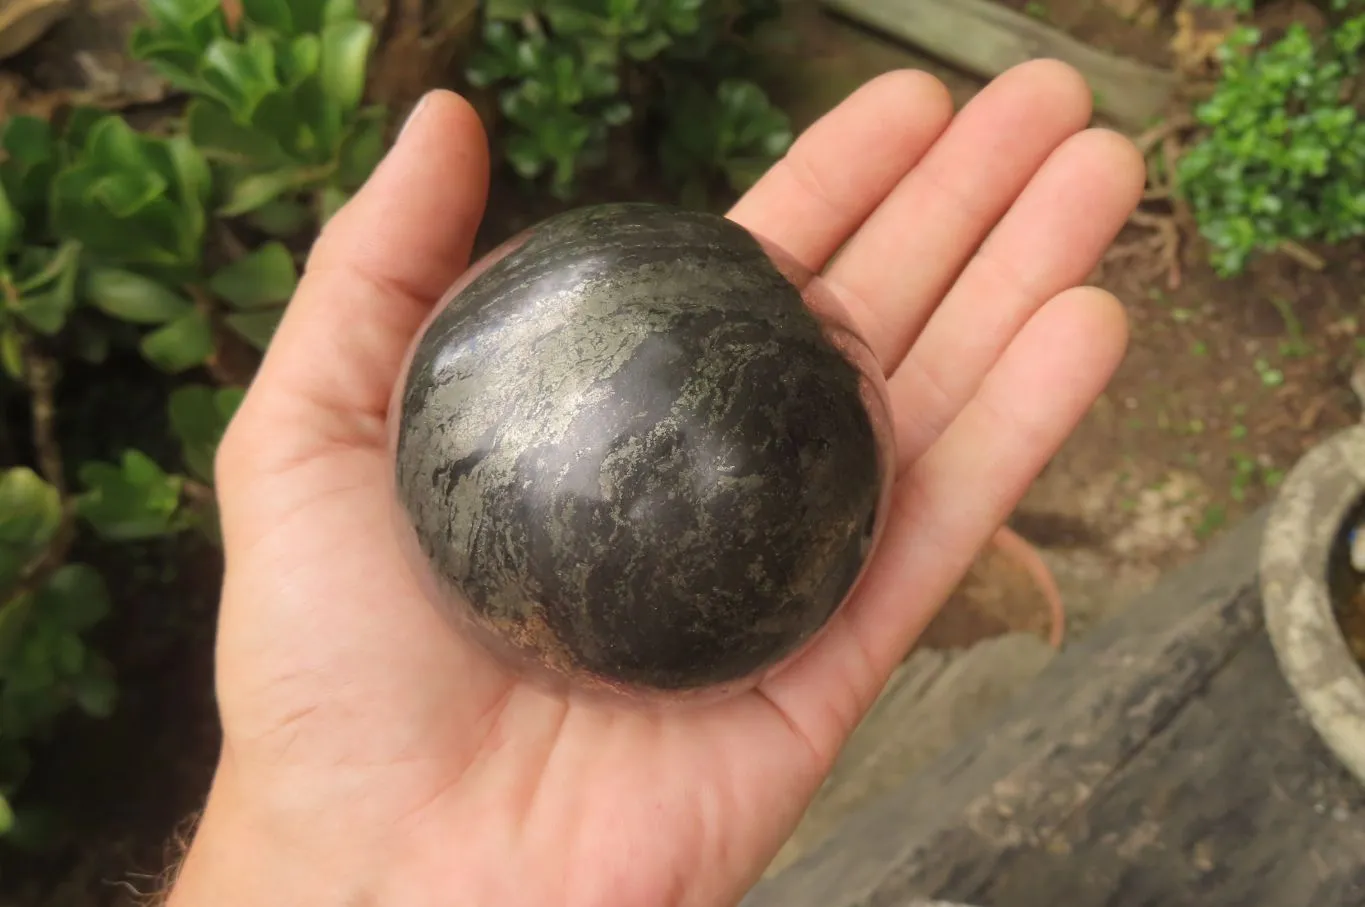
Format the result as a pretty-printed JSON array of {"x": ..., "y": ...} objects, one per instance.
[{"x": 1302, "y": 528}]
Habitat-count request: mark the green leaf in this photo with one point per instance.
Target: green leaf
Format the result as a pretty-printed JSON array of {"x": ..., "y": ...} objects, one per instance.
[
  {"x": 12, "y": 353},
  {"x": 183, "y": 343},
  {"x": 96, "y": 693},
  {"x": 362, "y": 149},
  {"x": 194, "y": 180},
  {"x": 74, "y": 598},
  {"x": 6, "y": 816},
  {"x": 133, "y": 500},
  {"x": 181, "y": 14},
  {"x": 68, "y": 654},
  {"x": 258, "y": 189},
  {"x": 280, "y": 218},
  {"x": 124, "y": 193},
  {"x": 264, "y": 277},
  {"x": 345, "y": 53},
  {"x": 80, "y": 123},
  {"x": 132, "y": 297},
  {"x": 155, "y": 236},
  {"x": 330, "y": 201},
  {"x": 334, "y": 11},
  {"x": 213, "y": 130},
  {"x": 199, "y": 415},
  {"x": 30, "y": 509},
  {"x": 272, "y": 14},
  {"x": 14, "y": 620},
  {"x": 302, "y": 59},
  {"x": 256, "y": 328},
  {"x": 11, "y": 224},
  {"x": 46, "y": 310},
  {"x": 114, "y": 145},
  {"x": 27, "y": 141},
  {"x": 194, "y": 414},
  {"x": 240, "y": 75}
]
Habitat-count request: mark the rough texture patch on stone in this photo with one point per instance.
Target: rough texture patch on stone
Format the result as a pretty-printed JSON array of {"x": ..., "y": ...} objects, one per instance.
[
  {"x": 638, "y": 453},
  {"x": 933, "y": 700}
]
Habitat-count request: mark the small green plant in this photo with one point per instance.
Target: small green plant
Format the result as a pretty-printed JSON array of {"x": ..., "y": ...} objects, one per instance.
[
  {"x": 277, "y": 101},
  {"x": 1283, "y": 157},
  {"x": 569, "y": 72}
]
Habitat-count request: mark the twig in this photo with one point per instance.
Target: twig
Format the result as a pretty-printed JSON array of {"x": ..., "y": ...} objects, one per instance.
[
  {"x": 215, "y": 366},
  {"x": 198, "y": 494},
  {"x": 1148, "y": 140},
  {"x": 1301, "y": 255},
  {"x": 40, "y": 374}
]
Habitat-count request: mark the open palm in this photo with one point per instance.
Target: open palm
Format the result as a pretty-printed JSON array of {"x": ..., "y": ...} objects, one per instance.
[{"x": 371, "y": 757}]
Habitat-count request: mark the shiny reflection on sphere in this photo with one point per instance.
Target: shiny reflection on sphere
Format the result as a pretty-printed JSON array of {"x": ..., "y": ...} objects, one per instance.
[{"x": 639, "y": 450}]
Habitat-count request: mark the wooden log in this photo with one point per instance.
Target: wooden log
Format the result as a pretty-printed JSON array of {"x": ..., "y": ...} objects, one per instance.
[
  {"x": 1162, "y": 760},
  {"x": 985, "y": 38}
]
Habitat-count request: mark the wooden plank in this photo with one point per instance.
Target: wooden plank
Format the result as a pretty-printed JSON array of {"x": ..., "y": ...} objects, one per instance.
[
  {"x": 1012, "y": 785},
  {"x": 1236, "y": 803},
  {"x": 985, "y": 38}
]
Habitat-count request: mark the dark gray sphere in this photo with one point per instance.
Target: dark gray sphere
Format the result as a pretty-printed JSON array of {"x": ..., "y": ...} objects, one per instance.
[{"x": 640, "y": 449}]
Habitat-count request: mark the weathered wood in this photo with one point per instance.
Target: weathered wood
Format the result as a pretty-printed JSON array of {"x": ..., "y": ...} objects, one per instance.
[
  {"x": 985, "y": 38},
  {"x": 932, "y": 700},
  {"x": 1234, "y": 804},
  {"x": 1162, "y": 761}
]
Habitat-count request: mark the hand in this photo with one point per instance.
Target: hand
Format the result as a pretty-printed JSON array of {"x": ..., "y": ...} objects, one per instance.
[{"x": 371, "y": 758}]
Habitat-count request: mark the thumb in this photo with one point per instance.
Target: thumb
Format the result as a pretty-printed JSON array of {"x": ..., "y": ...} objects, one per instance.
[{"x": 378, "y": 267}]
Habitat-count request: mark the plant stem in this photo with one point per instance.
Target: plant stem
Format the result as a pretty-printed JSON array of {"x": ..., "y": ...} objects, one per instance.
[
  {"x": 215, "y": 366},
  {"x": 40, "y": 374}
]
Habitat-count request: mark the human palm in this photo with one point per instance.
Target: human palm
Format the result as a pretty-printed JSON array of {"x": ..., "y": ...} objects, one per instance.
[{"x": 372, "y": 757}]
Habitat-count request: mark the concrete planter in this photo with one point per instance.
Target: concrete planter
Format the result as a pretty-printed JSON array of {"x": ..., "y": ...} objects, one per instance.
[{"x": 1303, "y": 554}]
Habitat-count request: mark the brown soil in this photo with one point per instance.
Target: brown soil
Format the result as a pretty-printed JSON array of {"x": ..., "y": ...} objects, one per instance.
[{"x": 1141, "y": 29}]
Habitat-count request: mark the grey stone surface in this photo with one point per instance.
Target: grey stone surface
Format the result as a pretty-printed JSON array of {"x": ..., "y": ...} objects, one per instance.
[
  {"x": 640, "y": 454},
  {"x": 1302, "y": 535},
  {"x": 932, "y": 700}
]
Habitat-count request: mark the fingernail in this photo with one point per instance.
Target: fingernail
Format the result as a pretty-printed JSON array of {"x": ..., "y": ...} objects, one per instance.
[{"x": 412, "y": 117}]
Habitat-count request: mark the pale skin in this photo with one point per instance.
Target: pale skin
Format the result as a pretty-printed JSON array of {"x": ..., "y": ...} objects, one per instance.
[{"x": 372, "y": 758}]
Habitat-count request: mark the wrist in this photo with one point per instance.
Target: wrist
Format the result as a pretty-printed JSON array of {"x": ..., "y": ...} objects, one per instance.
[{"x": 242, "y": 852}]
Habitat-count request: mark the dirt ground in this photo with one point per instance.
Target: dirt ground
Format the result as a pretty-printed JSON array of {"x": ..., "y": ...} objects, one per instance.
[{"x": 1225, "y": 384}]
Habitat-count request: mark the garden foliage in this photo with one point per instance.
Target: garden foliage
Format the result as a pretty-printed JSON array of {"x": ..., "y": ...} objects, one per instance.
[
  {"x": 1281, "y": 156},
  {"x": 672, "y": 73},
  {"x": 174, "y": 244}
]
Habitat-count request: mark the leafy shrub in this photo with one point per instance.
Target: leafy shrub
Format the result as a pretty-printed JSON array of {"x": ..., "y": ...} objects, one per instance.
[
  {"x": 276, "y": 103},
  {"x": 568, "y": 72},
  {"x": 1283, "y": 156},
  {"x": 161, "y": 243}
]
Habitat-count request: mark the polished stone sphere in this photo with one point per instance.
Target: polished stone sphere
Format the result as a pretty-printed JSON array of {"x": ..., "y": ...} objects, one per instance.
[{"x": 639, "y": 449}]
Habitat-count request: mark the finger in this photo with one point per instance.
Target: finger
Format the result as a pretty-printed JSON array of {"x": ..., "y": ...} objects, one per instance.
[
  {"x": 950, "y": 503},
  {"x": 379, "y": 265},
  {"x": 810, "y": 201},
  {"x": 906, "y": 256},
  {"x": 1050, "y": 240}
]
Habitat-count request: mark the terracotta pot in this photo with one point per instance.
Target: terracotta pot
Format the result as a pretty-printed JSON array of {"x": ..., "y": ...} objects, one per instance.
[{"x": 1304, "y": 545}]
